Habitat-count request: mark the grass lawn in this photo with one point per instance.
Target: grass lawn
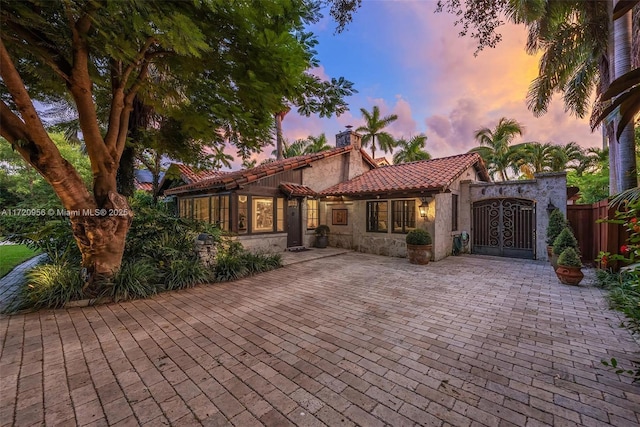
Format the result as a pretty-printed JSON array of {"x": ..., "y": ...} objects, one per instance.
[{"x": 13, "y": 255}]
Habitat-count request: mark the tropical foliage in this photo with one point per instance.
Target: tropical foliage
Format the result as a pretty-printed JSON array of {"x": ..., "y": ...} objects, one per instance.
[
  {"x": 412, "y": 150},
  {"x": 160, "y": 256},
  {"x": 223, "y": 65},
  {"x": 494, "y": 147},
  {"x": 300, "y": 147},
  {"x": 624, "y": 286},
  {"x": 373, "y": 130},
  {"x": 584, "y": 45},
  {"x": 316, "y": 144},
  {"x": 591, "y": 176},
  {"x": 534, "y": 157}
]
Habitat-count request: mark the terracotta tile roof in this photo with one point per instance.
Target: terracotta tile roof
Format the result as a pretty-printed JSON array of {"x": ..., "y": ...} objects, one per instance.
[
  {"x": 435, "y": 174},
  {"x": 291, "y": 189},
  {"x": 189, "y": 175},
  {"x": 232, "y": 180},
  {"x": 144, "y": 186}
]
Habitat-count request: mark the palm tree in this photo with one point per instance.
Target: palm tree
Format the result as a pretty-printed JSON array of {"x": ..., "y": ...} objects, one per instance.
[
  {"x": 316, "y": 144},
  {"x": 373, "y": 130},
  {"x": 580, "y": 43},
  {"x": 294, "y": 149},
  {"x": 533, "y": 158},
  {"x": 412, "y": 150},
  {"x": 249, "y": 164},
  {"x": 494, "y": 146},
  {"x": 592, "y": 161}
]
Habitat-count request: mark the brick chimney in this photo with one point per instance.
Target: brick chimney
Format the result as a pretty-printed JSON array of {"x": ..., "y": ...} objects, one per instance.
[{"x": 349, "y": 137}]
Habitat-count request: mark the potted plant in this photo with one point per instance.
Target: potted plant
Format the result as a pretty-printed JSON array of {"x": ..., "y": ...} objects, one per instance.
[
  {"x": 322, "y": 236},
  {"x": 569, "y": 267},
  {"x": 419, "y": 246},
  {"x": 564, "y": 240},
  {"x": 555, "y": 226}
]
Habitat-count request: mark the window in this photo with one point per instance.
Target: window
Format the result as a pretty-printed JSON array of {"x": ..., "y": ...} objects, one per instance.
[
  {"x": 280, "y": 213},
  {"x": 262, "y": 208},
  {"x": 201, "y": 209},
  {"x": 404, "y": 215},
  {"x": 185, "y": 208},
  {"x": 312, "y": 214},
  {"x": 221, "y": 213},
  {"x": 213, "y": 209},
  {"x": 243, "y": 214},
  {"x": 377, "y": 217},
  {"x": 454, "y": 212}
]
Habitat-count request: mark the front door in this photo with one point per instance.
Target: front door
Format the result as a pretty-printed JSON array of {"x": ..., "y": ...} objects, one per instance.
[
  {"x": 294, "y": 226},
  {"x": 504, "y": 227}
]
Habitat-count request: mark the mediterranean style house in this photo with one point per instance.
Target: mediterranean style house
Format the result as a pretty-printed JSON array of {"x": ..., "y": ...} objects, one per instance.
[{"x": 370, "y": 208}]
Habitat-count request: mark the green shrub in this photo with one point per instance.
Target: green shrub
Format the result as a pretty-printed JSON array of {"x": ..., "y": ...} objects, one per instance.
[
  {"x": 185, "y": 273},
  {"x": 51, "y": 286},
  {"x": 158, "y": 234},
  {"x": 136, "y": 279},
  {"x": 322, "y": 230},
  {"x": 556, "y": 223},
  {"x": 624, "y": 294},
  {"x": 418, "y": 237},
  {"x": 569, "y": 257},
  {"x": 230, "y": 267},
  {"x": 565, "y": 240},
  {"x": 234, "y": 262},
  {"x": 54, "y": 238}
]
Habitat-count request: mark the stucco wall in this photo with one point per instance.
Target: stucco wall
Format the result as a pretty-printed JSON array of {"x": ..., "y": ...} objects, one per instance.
[
  {"x": 355, "y": 236},
  {"x": 442, "y": 217},
  {"x": 328, "y": 172},
  {"x": 544, "y": 189},
  {"x": 437, "y": 223}
]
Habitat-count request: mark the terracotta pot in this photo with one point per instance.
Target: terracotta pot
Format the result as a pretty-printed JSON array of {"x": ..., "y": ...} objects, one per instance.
[
  {"x": 569, "y": 275},
  {"x": 549, "y": 252},
  {"x": 419, "y": 254}
]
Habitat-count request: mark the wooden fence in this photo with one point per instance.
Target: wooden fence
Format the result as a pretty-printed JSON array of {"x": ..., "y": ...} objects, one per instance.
[{"x": 595, "y": 236}]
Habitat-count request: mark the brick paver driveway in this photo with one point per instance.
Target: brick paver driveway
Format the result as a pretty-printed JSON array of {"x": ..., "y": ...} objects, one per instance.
[{"x": 352, "y": 339}]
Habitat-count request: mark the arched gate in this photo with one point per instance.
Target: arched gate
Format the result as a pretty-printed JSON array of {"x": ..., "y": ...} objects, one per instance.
[{"x": 504, "y": 227}]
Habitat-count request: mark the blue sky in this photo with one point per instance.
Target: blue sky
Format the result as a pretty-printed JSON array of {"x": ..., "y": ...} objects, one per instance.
[{"x": 410, "y": 61}]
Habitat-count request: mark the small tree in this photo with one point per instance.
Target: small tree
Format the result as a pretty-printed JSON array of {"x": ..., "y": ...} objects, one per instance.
[
  {"x": 565, "y": 240},
  {"x": 569, "y": 258},
  {"x": 556, "y": 223}
]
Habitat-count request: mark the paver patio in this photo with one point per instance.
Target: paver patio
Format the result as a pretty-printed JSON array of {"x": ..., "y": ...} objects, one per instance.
[{"x": 352, "y": 339}]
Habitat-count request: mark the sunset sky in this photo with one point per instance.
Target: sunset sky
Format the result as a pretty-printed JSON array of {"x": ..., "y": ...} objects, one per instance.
[{"x": 410, "y": 61}]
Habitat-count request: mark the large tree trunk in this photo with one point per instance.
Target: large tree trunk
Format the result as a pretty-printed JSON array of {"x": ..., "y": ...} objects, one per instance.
[
  {"x": 126, "y": 172},
  {"x": 279, "y": 138},
  {"x": 627, "y": 173},
  {"x": 101, "y": 237},
  {"x": 100, "y": 221},
  {"x": 609, "y": 127}
]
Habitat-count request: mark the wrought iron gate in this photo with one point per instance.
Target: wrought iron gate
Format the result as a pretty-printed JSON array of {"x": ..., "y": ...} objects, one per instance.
[{"x": 504, "y": 227}]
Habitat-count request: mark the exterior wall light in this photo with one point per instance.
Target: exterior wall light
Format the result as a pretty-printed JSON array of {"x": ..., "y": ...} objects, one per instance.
[{"x": 424, "y": 206}]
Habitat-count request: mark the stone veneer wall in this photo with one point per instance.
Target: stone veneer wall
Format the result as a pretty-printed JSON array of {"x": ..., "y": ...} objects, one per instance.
[
  {"x": 544, "y": 189},
  {"x": 264, "y": 242}
]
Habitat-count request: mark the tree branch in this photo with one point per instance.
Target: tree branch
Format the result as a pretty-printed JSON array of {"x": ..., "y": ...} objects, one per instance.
[
  {"x": 16, "y": 88},
  {"x": 61, "y": 67},
  {"x": 142, "y": 55},
  {"x": 128, "y": 106},
  {"x": 80, "y": 87},
  {"x": 13, "y": 129}
]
